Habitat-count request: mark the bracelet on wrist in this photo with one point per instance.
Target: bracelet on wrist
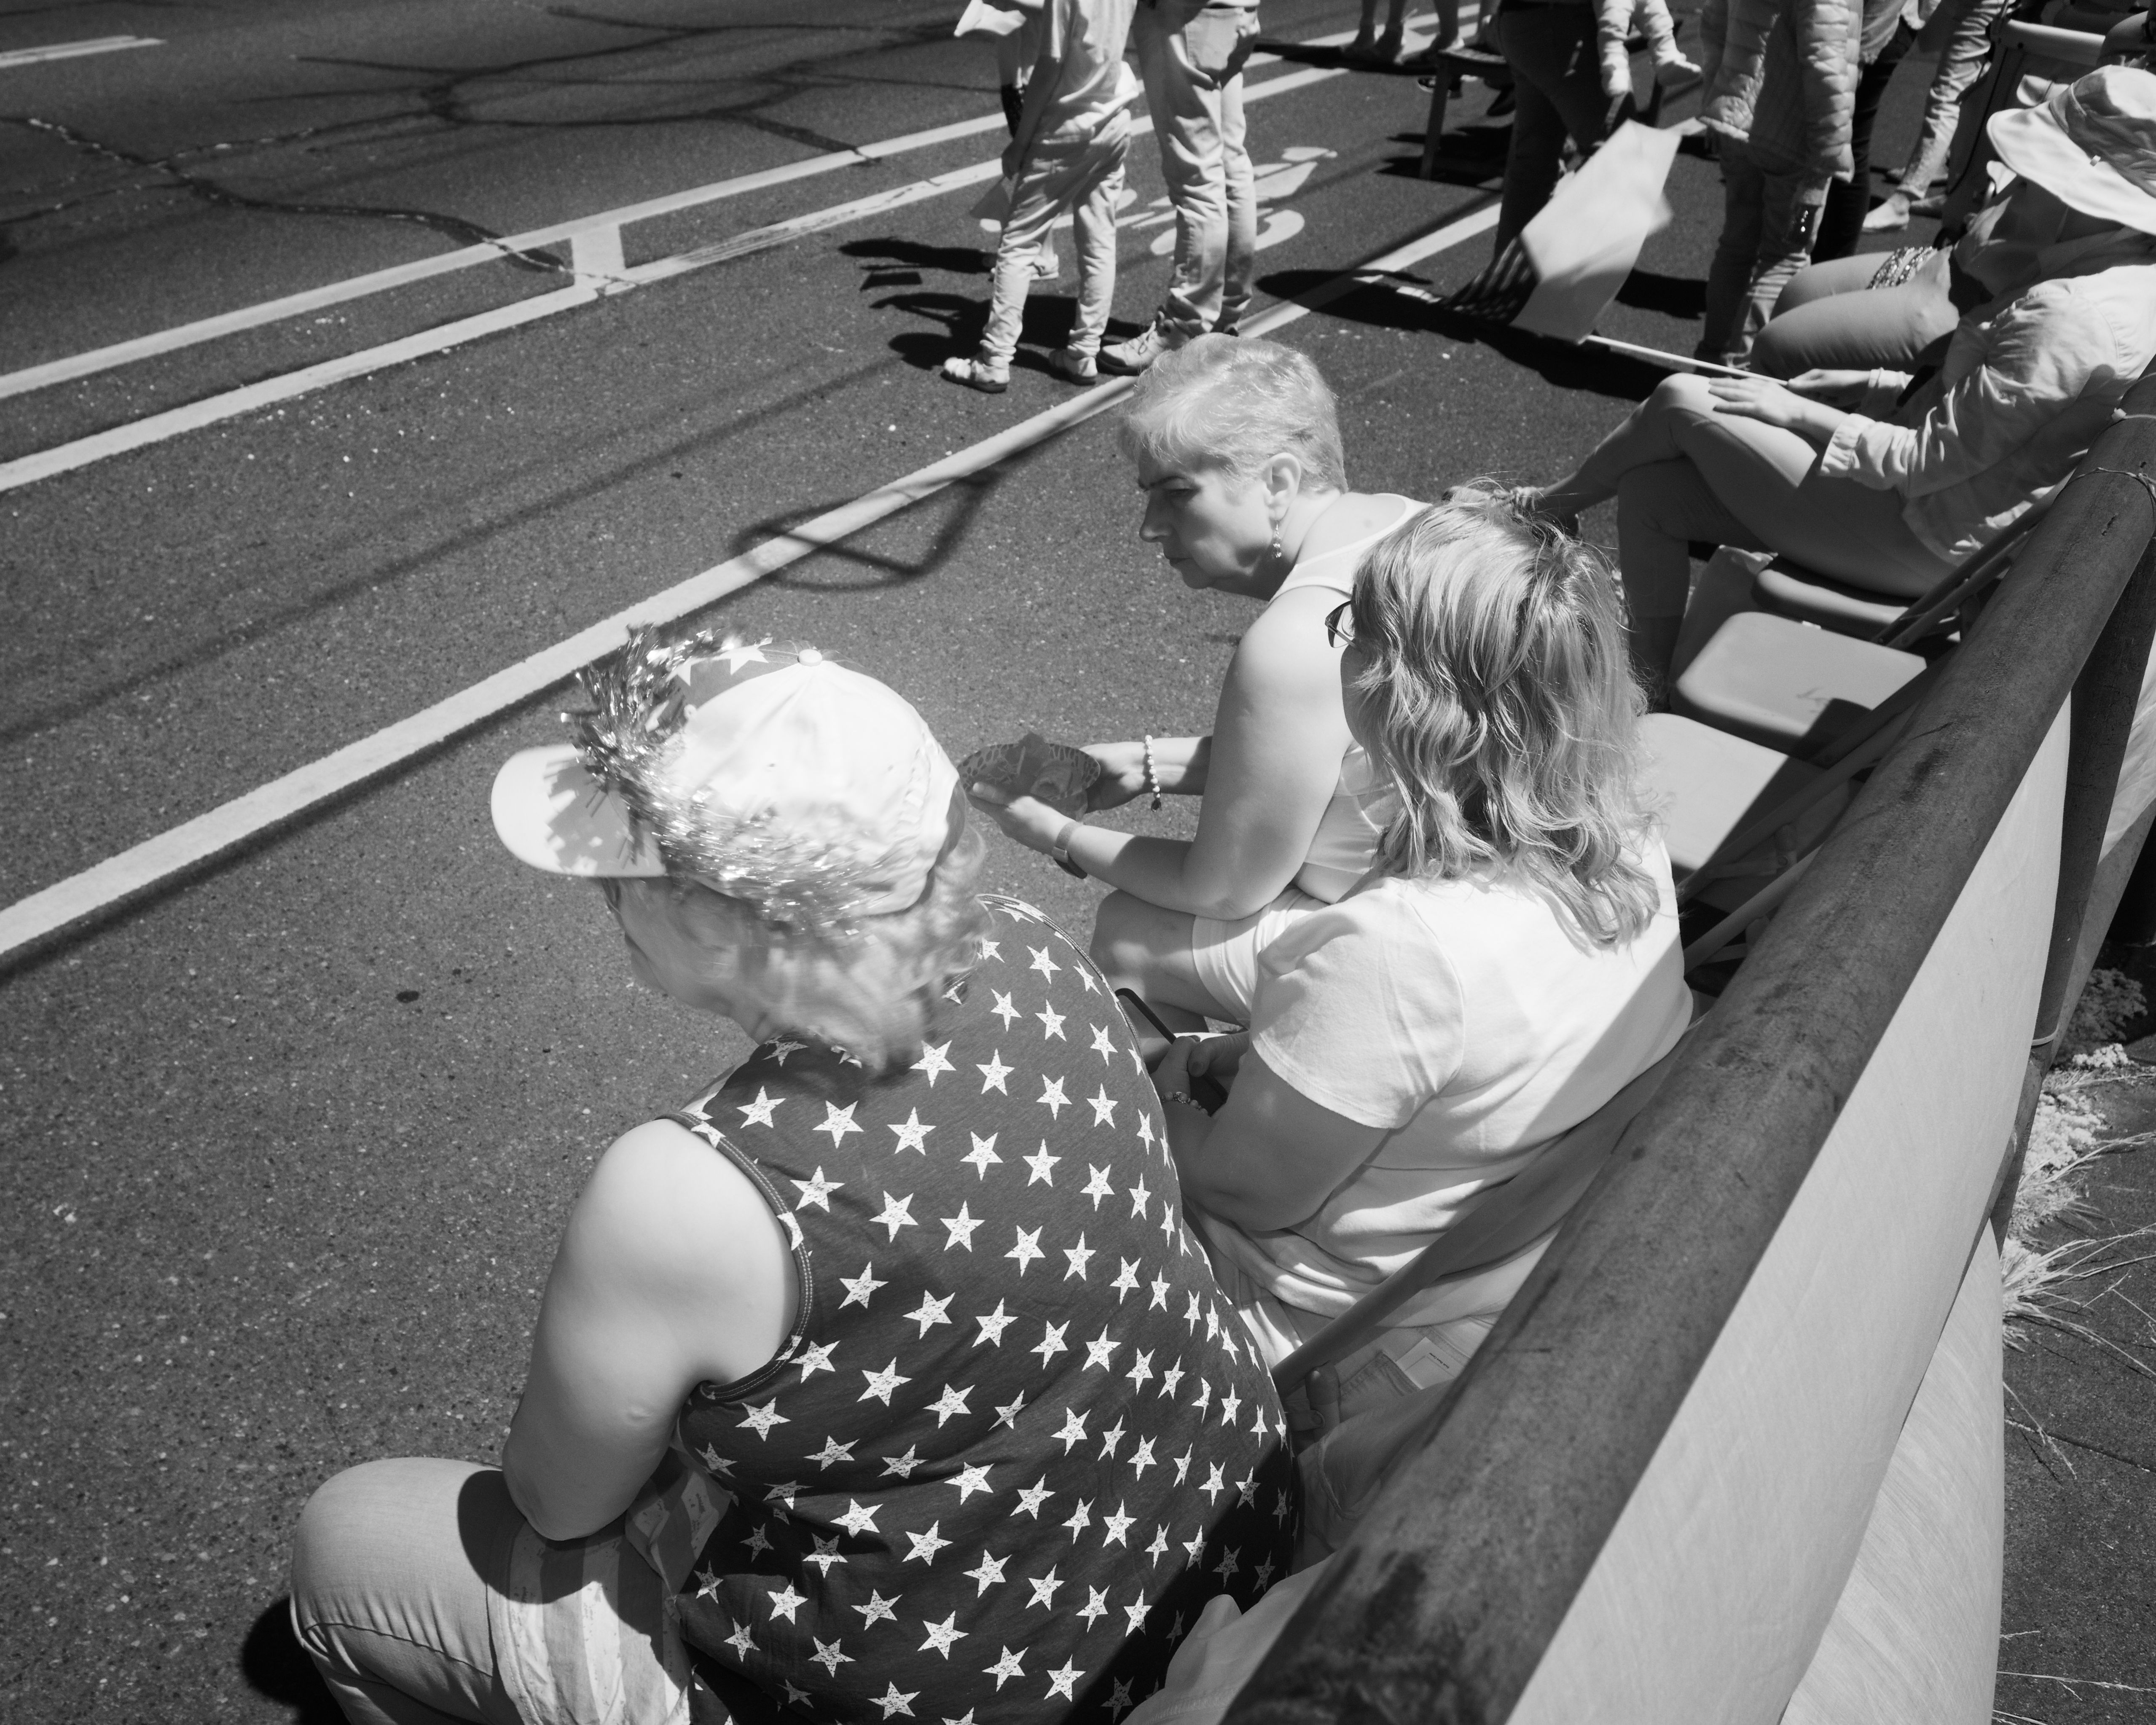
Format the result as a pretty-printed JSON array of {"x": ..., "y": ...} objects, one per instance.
[
  {"x": 1153, "y": 777},
  {"x": 1060, "y": 849}
]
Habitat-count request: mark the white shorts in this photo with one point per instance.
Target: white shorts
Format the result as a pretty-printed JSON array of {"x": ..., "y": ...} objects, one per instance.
[{"x": 1225, "y": 954}]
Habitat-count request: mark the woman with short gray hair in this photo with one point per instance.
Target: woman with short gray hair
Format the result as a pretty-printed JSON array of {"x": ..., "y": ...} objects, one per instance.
[{"x": 1237, "y": 448}]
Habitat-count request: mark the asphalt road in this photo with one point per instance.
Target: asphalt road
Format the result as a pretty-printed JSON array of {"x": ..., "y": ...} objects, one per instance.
[{"x": 289, "y": 1145}]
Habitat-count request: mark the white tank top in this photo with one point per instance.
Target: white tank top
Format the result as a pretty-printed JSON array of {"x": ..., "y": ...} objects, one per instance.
[{"x": 1346, "y": 842}]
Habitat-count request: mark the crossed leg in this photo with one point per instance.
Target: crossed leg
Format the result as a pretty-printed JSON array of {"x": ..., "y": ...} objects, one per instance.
[{"x": 1681, "y": 470}]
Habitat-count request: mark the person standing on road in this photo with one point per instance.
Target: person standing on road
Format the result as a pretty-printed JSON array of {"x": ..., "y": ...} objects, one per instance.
[
  {"x": 1962, "y": 30},
  {"x": 849, "y": 1398},
  {"x": 1885, "y": 38},
  {"x": 1571, "y": 75},
  {"x": 1066, "y": 154},
  {"x": 1781, "y": 88},
  {"x": 1191, "y": 54}
]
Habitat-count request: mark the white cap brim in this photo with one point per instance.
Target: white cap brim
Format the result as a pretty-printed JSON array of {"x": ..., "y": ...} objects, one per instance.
[
  {"x": 554, "y": 815},
  {"x": 2031, "y": 141}
]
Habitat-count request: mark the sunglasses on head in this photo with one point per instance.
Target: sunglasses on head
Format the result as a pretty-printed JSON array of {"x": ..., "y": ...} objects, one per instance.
[{"x": 1340, "y": 624}]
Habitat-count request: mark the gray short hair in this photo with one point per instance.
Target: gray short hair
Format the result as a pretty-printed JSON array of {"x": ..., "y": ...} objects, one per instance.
[
  {"x": 871, "y": 992},
  {"x": 1222, "y": 402}
]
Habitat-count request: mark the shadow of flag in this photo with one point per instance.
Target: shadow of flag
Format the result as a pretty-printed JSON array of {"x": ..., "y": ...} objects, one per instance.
[{"x": 1559, "y": 274}]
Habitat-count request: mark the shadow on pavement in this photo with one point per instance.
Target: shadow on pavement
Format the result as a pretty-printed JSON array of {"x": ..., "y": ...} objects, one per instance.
[
  {"x": 882, "y": 255},
  {"x": 876, "y": 570},
  {"x": 275, "y": 1665},
  {"x": 1679, "y": 296},
  {"x": 1470, "y": 155},
  {"x": 1558, "y": 363},
  {"x": 960, "y": 320}
]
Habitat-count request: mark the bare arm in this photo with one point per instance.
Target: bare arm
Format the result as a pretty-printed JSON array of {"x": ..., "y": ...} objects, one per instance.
[
  {"x": 1179, "y": 765},
  {"x": 1275, "y": 762},
  {"x": 1270, "y": 1156},
  {"x": 672, "y": 1272}
]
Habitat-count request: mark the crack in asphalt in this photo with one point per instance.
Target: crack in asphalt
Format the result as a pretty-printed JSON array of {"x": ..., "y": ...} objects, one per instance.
[
  {"x": 211, "y": 191},
  {"x": 443, "y": 95}
]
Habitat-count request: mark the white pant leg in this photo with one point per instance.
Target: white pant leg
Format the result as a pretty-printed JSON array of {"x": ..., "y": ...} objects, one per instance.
[
  {"x": 1093, "y": 224},
  {"x": 1055, "y": 177},
  {"x": 1241, "y": 250},
  {"x": 1186, "y": 106}
]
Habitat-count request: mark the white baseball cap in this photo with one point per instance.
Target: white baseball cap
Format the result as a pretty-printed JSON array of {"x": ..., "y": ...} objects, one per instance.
[{"x": 771, "y": 773}]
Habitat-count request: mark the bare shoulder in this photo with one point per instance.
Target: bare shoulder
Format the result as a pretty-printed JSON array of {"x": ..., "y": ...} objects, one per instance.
[
  {"x": 1283, "y": 654},
  {"x": 1354, "y": 515},
  {"x": 665, "y": 1203}
]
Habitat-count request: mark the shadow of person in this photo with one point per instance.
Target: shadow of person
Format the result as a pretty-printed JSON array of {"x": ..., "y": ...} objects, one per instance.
[
  {"x": 1394, "y": 301},
  {"x": 1680, "y": 296},
  {"x": 960, "y": 321},
  {"x": 276, "y": 1667}
]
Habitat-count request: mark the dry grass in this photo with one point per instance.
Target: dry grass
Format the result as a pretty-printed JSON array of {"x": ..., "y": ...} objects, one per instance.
[{"x": 2053, "y": 1287}]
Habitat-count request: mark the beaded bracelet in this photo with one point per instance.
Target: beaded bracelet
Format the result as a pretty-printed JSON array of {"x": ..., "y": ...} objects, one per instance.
[{"x": 1152, "y": 780}]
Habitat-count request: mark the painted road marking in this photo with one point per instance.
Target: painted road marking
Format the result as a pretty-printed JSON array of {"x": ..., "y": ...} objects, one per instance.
[
  {"x": 214, "y": 409},
  {"x": 75, "y": 50},
  {"x": 43, "y": 917},
  {"x": 360, "y": 287}
]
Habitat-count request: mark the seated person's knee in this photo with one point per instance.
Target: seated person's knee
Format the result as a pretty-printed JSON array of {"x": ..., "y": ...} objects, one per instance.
[
  {"x": 1120, "y": 947},
  {"x": 1682, "y": 390}
]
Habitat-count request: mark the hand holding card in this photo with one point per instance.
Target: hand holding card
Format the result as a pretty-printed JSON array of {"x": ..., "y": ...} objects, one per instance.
[{"x": 1052, "y": 772}]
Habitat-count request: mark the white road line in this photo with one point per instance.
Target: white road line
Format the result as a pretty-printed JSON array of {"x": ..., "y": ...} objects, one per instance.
[
  {"x": 95, "y": 360},
  {"x": 69, "y": 904},
  {"x": 214, "y": 409},
  {"x": 361, "y": 287},
  {"x": 75, "y": 50}
]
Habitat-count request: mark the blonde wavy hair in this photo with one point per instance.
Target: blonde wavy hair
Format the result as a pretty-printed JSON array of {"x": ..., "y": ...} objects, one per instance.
[
  {"x": 871, "y": 992},
  {"x": 1498, "y": 692}
]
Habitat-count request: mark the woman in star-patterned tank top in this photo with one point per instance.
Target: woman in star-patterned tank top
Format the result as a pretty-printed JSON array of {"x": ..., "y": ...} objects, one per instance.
[
  {"x": 888, "y": 1384},
  {"x": 1013, "y": 1444}
]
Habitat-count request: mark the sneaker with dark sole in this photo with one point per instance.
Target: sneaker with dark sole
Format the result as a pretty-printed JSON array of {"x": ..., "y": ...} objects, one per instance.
[
  {"x": 1126, "y": 359},
  {"x": 974, "y": 374}
]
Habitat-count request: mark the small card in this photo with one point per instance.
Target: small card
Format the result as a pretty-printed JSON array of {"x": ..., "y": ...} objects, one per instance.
[{"x": 1054, "y": 773}]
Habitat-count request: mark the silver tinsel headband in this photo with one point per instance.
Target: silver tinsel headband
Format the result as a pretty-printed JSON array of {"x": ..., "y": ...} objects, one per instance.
[{"x": 820, "y": 877}]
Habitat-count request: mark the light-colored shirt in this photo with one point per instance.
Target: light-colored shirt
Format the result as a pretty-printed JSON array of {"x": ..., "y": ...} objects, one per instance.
[
  {"x": 1084, "y": 39},
  {"x": 1346, "y": 842},
  {"x": 1470, "y": 1023},
  {"x": 2023, "y": 391}
]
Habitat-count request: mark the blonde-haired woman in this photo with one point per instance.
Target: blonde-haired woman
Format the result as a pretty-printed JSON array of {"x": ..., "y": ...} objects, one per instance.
[
  {"x": 1511, "y": 963},
  {"x": 1236, "y": 445}
]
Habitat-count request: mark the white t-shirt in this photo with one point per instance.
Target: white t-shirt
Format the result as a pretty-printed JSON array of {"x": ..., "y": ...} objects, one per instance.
[
  {"x": 1468, "y": 1022},
  {"x": 1086, "y": 38}
]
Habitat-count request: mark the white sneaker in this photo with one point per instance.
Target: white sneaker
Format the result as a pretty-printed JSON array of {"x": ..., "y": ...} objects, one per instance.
[
  {"x": 1075, "y": 367},
  {"x": 977, "y": 374},
  {"x": 1128, "y": 358},
  {"x": 1891, "y": 216}
]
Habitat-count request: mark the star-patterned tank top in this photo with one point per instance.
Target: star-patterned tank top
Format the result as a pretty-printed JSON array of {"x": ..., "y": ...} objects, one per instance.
[{"x": 1015, "y": 1441}]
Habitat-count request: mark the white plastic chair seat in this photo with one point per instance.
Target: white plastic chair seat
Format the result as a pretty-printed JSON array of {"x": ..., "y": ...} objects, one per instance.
[
  {"x": 1711, "y": 785},
  {"x": 1786, "y": 684},
  {"x": 1788, "y": 590}
]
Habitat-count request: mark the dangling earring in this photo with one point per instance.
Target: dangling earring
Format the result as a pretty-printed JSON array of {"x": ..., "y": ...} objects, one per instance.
[{"x": 1273, "y": 552}]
